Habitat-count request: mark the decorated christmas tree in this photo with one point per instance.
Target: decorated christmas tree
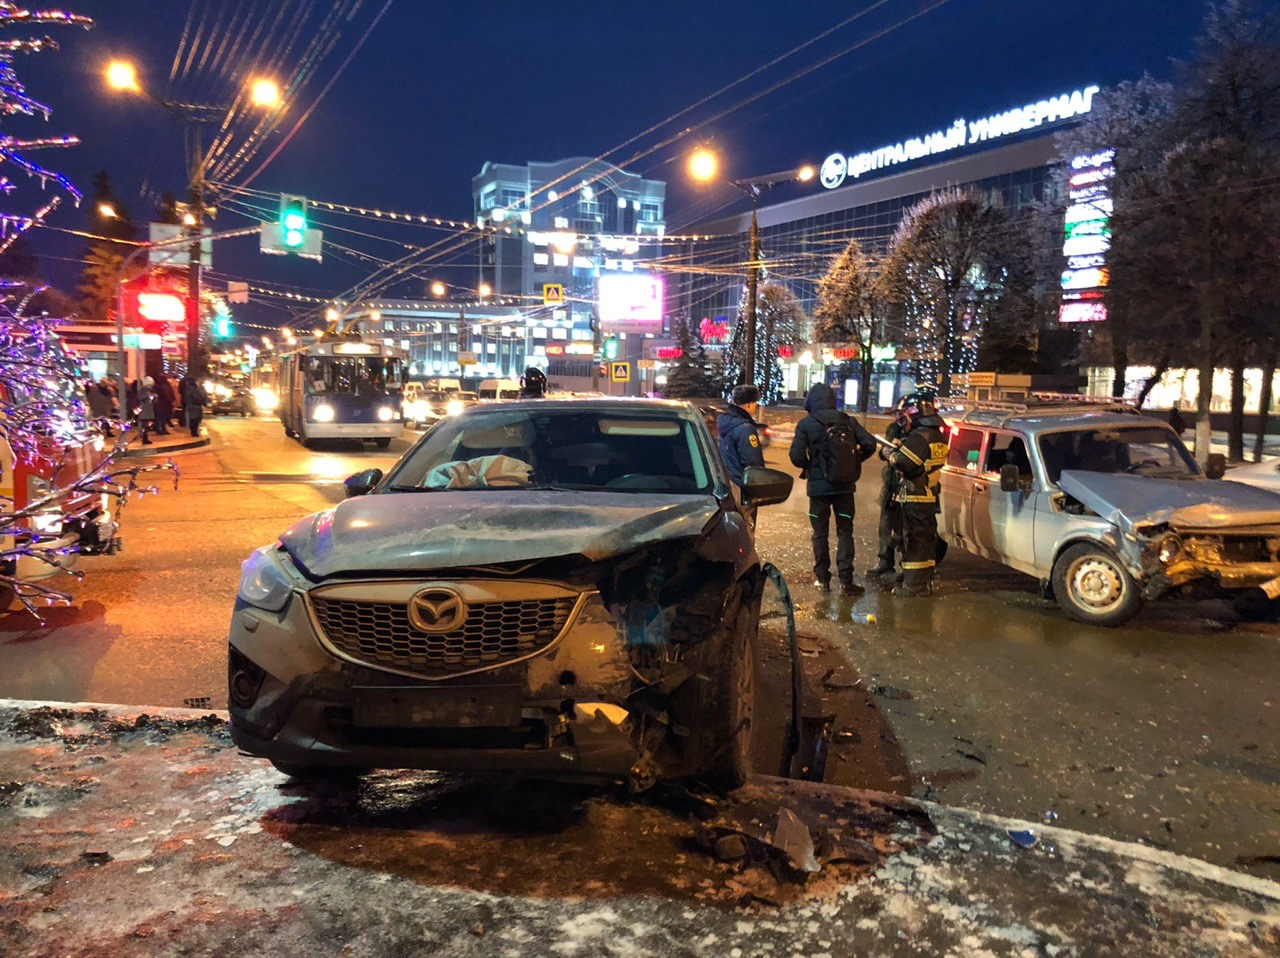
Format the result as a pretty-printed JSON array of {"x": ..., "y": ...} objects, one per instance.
[{"x": 46, "y": 434}]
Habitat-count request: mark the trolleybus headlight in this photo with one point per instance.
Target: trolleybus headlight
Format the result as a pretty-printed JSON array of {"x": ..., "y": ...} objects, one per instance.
[
  {"x": 322, "y": 414},
  {"x": 386, "y": 413}
]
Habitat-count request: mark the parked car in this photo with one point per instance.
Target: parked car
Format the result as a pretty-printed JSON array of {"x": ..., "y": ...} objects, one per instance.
[
  {"x": 1263, "y": 475},
  {"x": 231, "y": 400},
  {"x": 1107, "y": 508},
  {"x": 546, "y": 588}
]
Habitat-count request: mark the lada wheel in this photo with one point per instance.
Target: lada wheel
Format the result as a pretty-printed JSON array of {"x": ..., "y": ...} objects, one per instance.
[{"x": 1092, "y": 586}]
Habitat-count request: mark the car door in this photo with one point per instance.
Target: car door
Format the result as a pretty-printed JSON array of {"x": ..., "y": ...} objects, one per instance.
[
  {"x": 1004, "y": 522},
  {"x": 964, "y": 451}
]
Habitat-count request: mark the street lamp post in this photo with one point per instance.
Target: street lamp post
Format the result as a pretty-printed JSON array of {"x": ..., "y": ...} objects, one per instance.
[
  {"x": 262, "y": 93},
  {"x": 703, "y": 166}
]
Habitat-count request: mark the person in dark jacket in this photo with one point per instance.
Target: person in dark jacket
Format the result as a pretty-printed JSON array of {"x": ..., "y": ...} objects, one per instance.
[
  {"x": 164, "y": 402},
  {"x": 810, "y": 453},
  {"x": 890, "y": 528},
  {"x": 192, "y": 402},
  {"x": 740, "y": 433}
]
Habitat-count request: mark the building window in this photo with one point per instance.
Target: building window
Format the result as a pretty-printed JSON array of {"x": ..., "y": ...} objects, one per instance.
[
  {"x": 513, "y": 199},
  {"x": 650, "y": 213},
  {"x": 540, "y": 259}
]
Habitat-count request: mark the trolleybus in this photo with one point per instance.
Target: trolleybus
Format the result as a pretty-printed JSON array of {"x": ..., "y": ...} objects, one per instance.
[{"x": 344, "y": 389}]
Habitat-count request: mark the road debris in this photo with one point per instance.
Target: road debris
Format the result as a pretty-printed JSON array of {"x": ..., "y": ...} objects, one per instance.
[{"x": 1023, "y": 837}]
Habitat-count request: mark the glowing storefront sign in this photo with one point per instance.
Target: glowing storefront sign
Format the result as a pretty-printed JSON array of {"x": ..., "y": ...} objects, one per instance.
[
  {"x": 1086, "y": 233},
  {"x": 838, "y": 167},
  {"x": 162, "y": 307}
]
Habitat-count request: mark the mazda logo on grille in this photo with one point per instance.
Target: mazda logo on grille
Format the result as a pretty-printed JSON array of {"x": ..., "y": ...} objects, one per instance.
[{"x": 437, "y": 610}]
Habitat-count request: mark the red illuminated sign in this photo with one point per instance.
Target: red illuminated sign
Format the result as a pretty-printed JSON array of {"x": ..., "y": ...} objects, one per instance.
[
  {"x": 153, "y": 307},
  {"x": 714, "y": 330},
  {"x": 784, "y": 352},
  {"x": 555, "y": 349},
  {"x": 668, "y": 352},
  {"x": 845, "y": 352}
]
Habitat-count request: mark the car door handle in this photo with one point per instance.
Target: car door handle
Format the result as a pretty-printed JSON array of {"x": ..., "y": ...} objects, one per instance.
[{"x": 979, "y": 487}]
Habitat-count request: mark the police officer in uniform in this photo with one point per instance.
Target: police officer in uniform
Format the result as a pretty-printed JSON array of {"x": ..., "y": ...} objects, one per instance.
[
  {"x": 739, "y": 436},
  {"x": 918, "y": 461},
  {"x": 890, "y": 529}
]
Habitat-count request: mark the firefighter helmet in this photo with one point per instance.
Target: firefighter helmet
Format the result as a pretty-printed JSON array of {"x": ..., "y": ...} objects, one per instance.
[{"x": 919, "y": 404}]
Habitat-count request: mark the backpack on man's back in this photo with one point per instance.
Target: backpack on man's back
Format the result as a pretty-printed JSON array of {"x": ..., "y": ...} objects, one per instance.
[{"x": 838, "y": 454}]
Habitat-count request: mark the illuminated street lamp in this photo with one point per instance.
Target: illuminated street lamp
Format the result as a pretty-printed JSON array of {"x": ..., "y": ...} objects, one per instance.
[
  {"x": 703, "y": 167},
  {"x": 438, "y": 289},
  {"x": 485, "y": 290},
  {"x": 107, "y": 211},
  {"x": 263, "y": 93}
]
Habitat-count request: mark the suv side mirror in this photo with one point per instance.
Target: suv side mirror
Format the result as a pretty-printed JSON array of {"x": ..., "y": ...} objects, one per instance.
[
  {"x": 1215, "y": 466},
  {"x": 361, "y": 483},
  {"x": 765, "y": 487},
  {"x": 1010, "y": 478}
]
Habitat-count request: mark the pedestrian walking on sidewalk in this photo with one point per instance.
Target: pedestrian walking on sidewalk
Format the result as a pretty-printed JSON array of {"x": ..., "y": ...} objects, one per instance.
[
  {"x": 102, "y": 406},
  {"x": 146, "y": 408},
  {"x": 889, "y": 529},
  {"x": 164, "y": 405},
  {"x": 192, "y": 403},
  {"x": 829, "y": 448}
]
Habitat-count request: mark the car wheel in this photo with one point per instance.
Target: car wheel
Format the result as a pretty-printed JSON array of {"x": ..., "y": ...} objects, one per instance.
[
  {"x": 732, "y": 700},
  {"x": 1092, "y": 586},
  {"x": 382, "y": 443}
]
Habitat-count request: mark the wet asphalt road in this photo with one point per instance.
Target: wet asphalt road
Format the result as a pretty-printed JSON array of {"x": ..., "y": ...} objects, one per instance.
[{"x": 1164, "y": 732}]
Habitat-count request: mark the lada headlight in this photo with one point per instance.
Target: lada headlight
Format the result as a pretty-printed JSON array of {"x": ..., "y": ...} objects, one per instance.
[
  {"x": 1169, "y": 548},
  {"x": 322, "y": 413},
  {"x": 262, "y": 582}
]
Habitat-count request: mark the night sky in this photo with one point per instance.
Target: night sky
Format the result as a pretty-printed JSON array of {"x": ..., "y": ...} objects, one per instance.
[{"x": 441, "y": 87}]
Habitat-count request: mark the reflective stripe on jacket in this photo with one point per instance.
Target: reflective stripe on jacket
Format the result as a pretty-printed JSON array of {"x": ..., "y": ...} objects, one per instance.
[{"x": 919, "y": 460}]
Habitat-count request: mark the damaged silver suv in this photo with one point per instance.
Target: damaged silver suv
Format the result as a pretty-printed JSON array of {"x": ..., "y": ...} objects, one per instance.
[
  {"x": 552, "y": 588},
  {"x": 1107, "y": 508}
]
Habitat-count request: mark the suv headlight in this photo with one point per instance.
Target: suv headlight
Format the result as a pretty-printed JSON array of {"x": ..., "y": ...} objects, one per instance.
[{"x": 262, "y": 582}]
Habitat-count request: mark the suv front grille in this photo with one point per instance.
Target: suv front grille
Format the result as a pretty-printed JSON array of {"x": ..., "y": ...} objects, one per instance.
[{"x": 380, "y": 634}]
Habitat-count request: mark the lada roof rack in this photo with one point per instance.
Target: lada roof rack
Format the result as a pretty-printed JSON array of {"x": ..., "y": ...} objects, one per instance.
[{"x": 1040, "y": 404}]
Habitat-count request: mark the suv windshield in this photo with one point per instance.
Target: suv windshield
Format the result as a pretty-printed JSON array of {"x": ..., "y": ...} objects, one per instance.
[
  {"x": 595, "y": 450},
  {"x": 1136, "y": 450}
]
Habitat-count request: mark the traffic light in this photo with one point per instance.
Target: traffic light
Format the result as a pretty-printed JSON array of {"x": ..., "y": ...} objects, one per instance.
[
  {"x": 293, "y": 221},
  {"x": 611, "y": 348},
  {"x": 290, "y": 233},
  {"x": 222, "y": 327}
]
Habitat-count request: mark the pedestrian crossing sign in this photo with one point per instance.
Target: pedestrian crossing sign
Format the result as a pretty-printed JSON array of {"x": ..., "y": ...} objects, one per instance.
[
  {"x": 552, "y": 294},
  {"x": 620, "y": 372}
]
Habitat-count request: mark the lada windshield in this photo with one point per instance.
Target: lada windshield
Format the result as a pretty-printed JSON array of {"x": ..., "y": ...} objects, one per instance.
[
  {"x": 574, "y": 449},
  {"x": 1135, "y": 450}
]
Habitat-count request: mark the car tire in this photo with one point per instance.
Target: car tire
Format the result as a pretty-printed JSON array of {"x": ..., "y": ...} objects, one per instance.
[
  {"x": 730, "y": 702},
  {"x": 1092, "y": 586},
  {"x": 382, "y": 443}
]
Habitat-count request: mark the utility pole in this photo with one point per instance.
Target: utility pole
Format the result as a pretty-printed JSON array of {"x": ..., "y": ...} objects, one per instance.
[
  {"x": 595, "y": 351},
  {"x": 195, "y": 159},
  {"x": 753, "y": 288}
]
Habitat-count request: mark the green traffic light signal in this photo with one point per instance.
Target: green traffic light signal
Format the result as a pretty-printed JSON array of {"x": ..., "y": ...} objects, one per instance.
[
  {"x": 293, "y": 221},
  {"x": 611, "y": 348},
  {"x": 222, "y": 327}
]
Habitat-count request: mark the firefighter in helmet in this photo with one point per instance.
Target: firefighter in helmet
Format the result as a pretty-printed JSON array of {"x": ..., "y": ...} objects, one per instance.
[{"x": 918, "y": 460}]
